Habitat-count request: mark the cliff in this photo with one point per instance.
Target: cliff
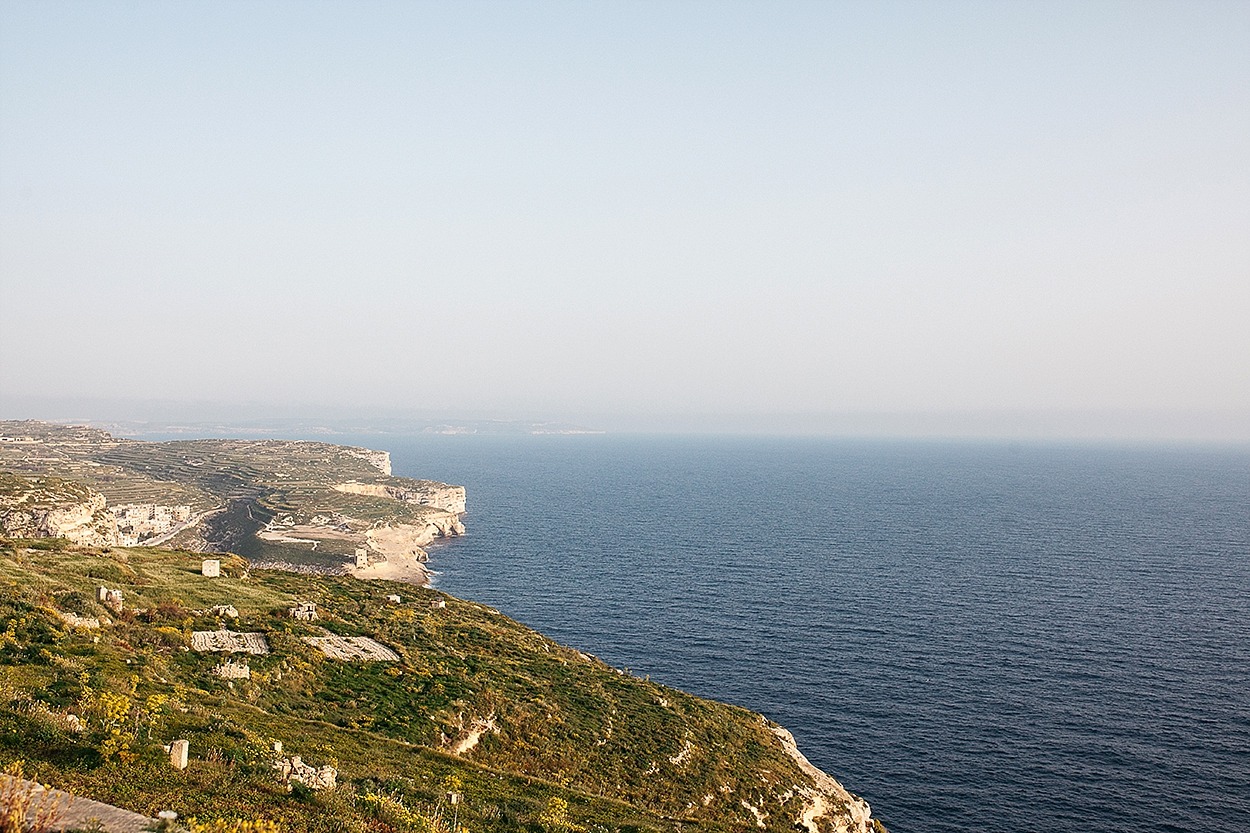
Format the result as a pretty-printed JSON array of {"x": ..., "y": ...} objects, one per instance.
[
  {"x": 380, "y": 460},
  {"x": 50, "y": 507},
  {"x": 472, "y": 696},
  {"x": 421, "y": 492},
  {"x": 301, "y": 504}
]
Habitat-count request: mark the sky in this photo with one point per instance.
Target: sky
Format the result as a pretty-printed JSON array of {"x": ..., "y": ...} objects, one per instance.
[{"x": 918, "y": 218}]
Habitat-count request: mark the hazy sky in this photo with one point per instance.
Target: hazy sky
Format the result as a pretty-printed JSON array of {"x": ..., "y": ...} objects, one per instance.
[{"x": 631, "y": 211}]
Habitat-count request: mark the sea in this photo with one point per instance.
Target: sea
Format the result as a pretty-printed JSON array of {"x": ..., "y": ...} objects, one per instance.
[{"x": 973, "y": 636}]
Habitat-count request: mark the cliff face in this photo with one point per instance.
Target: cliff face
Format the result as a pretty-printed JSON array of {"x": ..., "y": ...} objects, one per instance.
[
  {"x": 49, "y": 507},
  {"x": 421, "y": 492},
  {"x": 399, "y": 540},
  {"x": 828, "y": 800},
  {"x": 381, "y": 460}
]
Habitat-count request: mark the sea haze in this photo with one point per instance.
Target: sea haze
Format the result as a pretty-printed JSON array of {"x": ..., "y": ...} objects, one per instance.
[{"x": 974, "y": 637}]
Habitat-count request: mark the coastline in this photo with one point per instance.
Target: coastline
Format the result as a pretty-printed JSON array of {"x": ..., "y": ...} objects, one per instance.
[
  {"x": 407, "y": 569},
  {"x": 389, "y": 545},
  {"x": 826, "y": 787},
  {"x": 402, "y": 549}
]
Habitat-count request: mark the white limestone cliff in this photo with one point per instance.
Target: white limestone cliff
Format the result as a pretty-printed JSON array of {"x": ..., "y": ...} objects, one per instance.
[
  {"x": 380, "y": 460},
  {"x": 828, "y": 801},
  {"x": 421, "y": 492},
  {"x": 399, "y": 540},
  {"x": 45, "y": 508}
]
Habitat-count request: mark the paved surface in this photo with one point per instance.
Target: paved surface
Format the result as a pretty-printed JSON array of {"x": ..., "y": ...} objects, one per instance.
[
  {"x": 229, "y": 642},
  {"x": 352, "y": 648},
  {"x": 78, "y": 813}
]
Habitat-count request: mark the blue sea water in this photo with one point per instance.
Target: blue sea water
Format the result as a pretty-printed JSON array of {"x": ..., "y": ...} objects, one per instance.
[{"x": 973, "y": 637}]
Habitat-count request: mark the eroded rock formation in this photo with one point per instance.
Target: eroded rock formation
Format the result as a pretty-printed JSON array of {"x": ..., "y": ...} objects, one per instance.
[
  {"x": 49, "y": 507},
  {"x": 421, "y": 492}
]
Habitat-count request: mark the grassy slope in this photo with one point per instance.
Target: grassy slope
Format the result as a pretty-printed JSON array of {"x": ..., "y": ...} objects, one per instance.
[
  {"x": 41, "y": 492},
  {"x": 569, "y": 725}
]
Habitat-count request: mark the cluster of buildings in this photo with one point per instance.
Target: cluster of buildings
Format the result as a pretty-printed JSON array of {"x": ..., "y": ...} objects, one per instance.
[{"x": 139, "y": 522}]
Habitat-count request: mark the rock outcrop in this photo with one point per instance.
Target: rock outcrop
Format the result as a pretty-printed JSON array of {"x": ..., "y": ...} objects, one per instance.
[
  {"x": 293, "y": 770},
  {"x": 71, "y": 812},
  {"x": 399, "y": 540},
  {"x": 49, "y": 507},
  {"x": 421, "y": 492},
  {"x": 829, "y": 801}
]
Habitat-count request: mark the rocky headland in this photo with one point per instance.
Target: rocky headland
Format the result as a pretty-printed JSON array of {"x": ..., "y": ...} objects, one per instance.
[
  {"x": 496, "y": 695},
  {"x": 309, "y": 506}
]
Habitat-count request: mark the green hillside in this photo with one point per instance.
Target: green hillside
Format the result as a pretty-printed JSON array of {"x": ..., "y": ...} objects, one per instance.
[{"x": 563, "y": 741}]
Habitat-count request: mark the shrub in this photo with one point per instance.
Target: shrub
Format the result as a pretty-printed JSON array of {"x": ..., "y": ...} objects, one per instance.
[{"x": 232, "y": 826}]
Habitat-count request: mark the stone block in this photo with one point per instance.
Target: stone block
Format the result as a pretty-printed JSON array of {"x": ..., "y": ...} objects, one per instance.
[
  {"x": 178, "y": 753},
  {"x": 303, "y": 611}
]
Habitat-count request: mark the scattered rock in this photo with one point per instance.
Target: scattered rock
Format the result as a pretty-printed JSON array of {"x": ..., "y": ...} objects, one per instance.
[
  {"x": 293, "y": 769},
  {"x": 75, "y": 621}
]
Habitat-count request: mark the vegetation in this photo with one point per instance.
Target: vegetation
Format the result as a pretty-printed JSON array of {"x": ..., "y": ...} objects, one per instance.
[
  {"x": 241, "y": 485},
  {"x": 39, "y": 491},
  {"x": 481, "y": 724},
  {"x": 534, "y": 736}
]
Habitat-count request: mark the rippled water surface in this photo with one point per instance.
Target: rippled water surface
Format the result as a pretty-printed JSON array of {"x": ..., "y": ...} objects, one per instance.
[{"x": 974, "y": 637}]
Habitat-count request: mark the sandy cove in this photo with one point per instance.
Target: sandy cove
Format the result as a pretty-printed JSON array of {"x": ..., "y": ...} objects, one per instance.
[
  {"x": 402, "y": 549},
  {"x": 403, "y": 568}
]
